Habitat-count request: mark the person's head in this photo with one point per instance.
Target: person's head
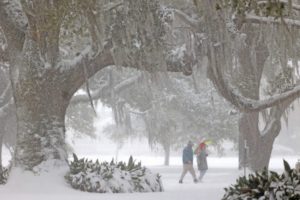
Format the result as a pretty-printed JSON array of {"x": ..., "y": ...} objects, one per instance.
[
  {"x": 190, "y": 143},
  {"x": 202, "y": 145}
]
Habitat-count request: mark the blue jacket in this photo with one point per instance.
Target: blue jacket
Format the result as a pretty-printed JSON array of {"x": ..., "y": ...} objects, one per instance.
[{"x": 187, "y": 155}]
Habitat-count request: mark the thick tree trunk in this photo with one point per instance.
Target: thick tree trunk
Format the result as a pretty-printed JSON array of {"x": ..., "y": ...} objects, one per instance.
[
  {"x": 259, "y": 146},
  {"x": 167, "y": 150},
  {"x": 40, "y": 106}
]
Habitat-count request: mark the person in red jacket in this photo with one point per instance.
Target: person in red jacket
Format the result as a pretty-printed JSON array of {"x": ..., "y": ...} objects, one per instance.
[{"x": 201, "y": 154}]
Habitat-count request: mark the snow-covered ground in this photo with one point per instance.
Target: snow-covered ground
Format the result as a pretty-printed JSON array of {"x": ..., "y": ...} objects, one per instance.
[{"x": 222, "y": 172}]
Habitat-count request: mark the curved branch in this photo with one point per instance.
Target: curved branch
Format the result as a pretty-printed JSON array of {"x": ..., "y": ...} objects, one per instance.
[
  {"x": 274, "y": 119},
  {"x": 97, "y": 94},
  {"x": 73, "y": 70},
  {"x": 83, "y": 98},
  {"x": 241, "y": 102}
]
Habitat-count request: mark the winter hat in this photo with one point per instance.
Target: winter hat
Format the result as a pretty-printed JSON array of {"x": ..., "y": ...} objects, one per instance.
[{"x": 190, "y": 143}]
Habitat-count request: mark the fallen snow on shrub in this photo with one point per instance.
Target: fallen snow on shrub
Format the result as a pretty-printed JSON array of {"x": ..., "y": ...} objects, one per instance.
[
  {"x": 266, "y": 185},
  {"x": 86, "y": 175}
]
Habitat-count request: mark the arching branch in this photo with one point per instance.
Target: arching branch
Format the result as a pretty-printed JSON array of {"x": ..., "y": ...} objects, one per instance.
[
  {"x": 123, "y": 85},
  {"x": 241, "y": 102}
]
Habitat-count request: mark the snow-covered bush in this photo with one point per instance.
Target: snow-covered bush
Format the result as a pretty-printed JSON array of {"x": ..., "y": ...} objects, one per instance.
[
  {"x": 86, "y": 175},
  {"x": 4, "y": 173},
  {"x": 266, "y": 185}
]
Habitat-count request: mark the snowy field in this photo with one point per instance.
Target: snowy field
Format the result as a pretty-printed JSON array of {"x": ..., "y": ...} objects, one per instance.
[{"x": 222, "y": 173}]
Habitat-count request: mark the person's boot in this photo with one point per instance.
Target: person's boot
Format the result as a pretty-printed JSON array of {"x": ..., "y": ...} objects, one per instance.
[
  {"x": 195, "y": 180},
  {"x": 180, "y": 181}
]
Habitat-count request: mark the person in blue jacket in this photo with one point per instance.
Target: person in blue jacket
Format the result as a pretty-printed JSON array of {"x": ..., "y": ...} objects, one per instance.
[{"x": 187, "y": 159}]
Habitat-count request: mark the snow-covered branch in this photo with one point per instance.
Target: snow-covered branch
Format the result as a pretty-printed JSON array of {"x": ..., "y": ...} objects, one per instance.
[
  {"x": 241, "y": 102},
  {"x": 271, "y": 20},
  {"x": 276, "y": 113},
  {"x": 193, "y": 23},
  {"x": 74, "y": 73},
  {"x": 82, "y": 98},
  {"x": 286, "y": 2},
  {"x": 127, "y": 83}
]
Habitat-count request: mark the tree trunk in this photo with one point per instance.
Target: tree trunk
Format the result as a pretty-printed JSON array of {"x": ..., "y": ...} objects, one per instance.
[
  {"x": 1, "y": 145},
  {"x": 167, "y": 150},
  {"x": 40, "y": 106},
  {"x": 260, "y": 143}
]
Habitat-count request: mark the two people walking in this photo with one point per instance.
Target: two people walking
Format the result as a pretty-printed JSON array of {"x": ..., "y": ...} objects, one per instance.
[{"x": 188, "y": 157}]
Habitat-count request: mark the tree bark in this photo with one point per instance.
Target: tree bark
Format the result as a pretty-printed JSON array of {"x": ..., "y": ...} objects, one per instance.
[{"x": 41, "y": 106}]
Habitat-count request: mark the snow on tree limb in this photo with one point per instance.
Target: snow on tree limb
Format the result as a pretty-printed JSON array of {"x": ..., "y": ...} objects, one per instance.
[
  {"x": 293, "y": 5},
  {"x": 82, "y": 98},
  {"x": 246, "y": 104},
  {"x": 271, "y": 20},
  {"x": 74, "y": 73},
  {"x": 193, "y": 23}
]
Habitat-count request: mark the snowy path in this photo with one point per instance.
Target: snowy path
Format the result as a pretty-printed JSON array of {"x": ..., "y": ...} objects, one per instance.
[{"x": 211, "y": 189}]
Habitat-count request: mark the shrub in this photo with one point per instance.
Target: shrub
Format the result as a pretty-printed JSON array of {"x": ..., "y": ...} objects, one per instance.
[
  {"x": 4, "y": 173},
  {"x": 86, "y": 175},
  {"x": 266, "y": 185}
]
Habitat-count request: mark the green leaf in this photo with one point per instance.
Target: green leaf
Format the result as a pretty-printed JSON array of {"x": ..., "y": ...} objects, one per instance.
[
  {"x": 75, "y": 157},
  {"x": 287, "y": 167}
]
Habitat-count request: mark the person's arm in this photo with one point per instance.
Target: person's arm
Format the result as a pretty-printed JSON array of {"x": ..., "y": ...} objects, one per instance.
[{"x": 184, "y": 156}]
